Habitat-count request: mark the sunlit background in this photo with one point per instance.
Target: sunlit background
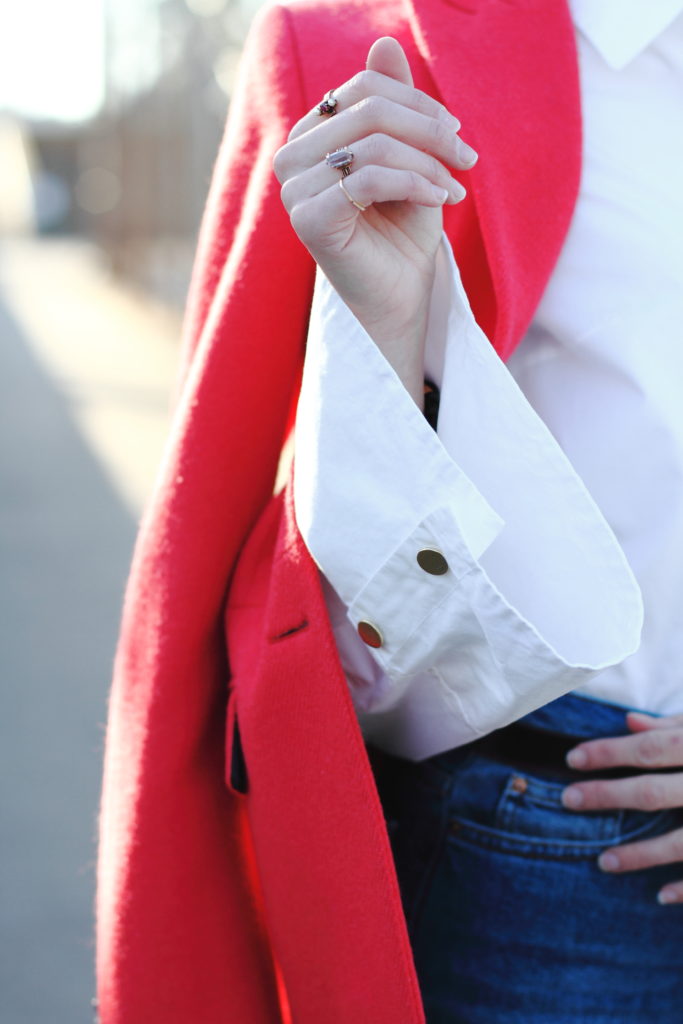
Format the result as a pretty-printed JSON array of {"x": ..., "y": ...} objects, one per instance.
[
  {"x": 111, "y": 112},
  {"x": 115, "y": 108}
]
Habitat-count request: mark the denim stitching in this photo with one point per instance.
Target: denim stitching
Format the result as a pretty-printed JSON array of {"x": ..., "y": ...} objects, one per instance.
[{"x": 509, "y": 842}]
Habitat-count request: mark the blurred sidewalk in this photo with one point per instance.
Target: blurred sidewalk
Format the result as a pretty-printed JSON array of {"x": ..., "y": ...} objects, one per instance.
[
  {"x": 86, "y": 374},
  {"x": 110, "y": 353}
]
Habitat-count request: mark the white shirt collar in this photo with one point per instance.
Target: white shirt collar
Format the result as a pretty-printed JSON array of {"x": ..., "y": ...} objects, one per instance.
[{"x": 621, "y": 29}]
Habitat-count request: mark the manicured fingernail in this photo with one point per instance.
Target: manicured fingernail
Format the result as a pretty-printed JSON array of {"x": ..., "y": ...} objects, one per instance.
[
  {"x": 457, "y": 191},
  {"x": 466, "y": 154},
  {"x": 572, "y": 797},
  {"x": 667, "y": 896},
  {"x": 577, "y": 758},
  {"x": 608, "y": 862}
]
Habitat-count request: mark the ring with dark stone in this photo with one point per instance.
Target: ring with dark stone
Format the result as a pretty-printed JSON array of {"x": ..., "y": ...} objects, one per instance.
[{"x": 329, "y": 104}]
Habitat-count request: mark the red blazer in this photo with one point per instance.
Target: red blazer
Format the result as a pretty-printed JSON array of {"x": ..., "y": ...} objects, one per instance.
[{"x": 217, "y": 906}]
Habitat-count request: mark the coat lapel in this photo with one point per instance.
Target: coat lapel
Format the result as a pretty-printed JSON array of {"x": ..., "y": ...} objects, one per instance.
[{"x": 507, "y": 69}]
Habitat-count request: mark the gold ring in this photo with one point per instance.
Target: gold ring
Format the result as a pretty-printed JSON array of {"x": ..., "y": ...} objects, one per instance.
[{"x": 359, "y": 206}]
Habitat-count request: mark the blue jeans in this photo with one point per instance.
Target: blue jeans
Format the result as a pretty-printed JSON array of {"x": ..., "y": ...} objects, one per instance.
[{"x": 510, "y": 919}]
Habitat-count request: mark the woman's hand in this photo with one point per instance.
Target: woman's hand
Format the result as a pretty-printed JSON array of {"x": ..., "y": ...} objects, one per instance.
[
  {"x": 380, "y": 261},
  {"x": 653, "y": 743}
]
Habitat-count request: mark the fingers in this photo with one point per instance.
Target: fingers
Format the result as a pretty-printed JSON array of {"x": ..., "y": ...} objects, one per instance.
[
  {"x": 653, "y": 743},
  {"x": 666, "y": 849},
  {"x": 671, "y": 893},
  {"x": 374, "y": 83},
  {"x": 640, "y": 793},
  {"x": 650, "y": 853},
  {"x": 388, "y": 56},
  {"x": 639, "y": 721},
  {"x": 381, "y": 151},
  {"x": 651, "y": 748},
  {"x": 371, "y": 116},
  {"x": 405, "y": 141},
  {"x": 370, "y": 184}
]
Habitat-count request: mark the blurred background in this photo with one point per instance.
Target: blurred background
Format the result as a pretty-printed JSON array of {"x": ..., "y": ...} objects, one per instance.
[{"x": 111, "y": 112}]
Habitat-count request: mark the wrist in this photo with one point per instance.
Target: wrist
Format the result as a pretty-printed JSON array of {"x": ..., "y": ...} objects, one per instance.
[
  {"x": 405, "y": 354},
  {"x": 403, "y": 346}
]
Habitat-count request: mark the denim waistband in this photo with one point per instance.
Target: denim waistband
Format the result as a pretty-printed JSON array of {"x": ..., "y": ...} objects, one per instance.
[
  {"x": 572, "y": 715},
  {"x": 576, "y": 715}
]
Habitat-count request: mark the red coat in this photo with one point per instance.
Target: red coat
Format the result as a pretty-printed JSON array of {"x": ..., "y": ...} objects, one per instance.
[{"x": 212, "y": 902}]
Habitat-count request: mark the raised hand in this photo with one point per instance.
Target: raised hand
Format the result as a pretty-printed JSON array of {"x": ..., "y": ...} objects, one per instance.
[{"x": 381, "y": 261}]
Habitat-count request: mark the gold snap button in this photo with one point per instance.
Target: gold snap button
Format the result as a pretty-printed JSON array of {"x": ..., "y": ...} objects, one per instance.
[
  {"x": 432, "y": 561},
  {"x": 519, "y": 784},
  {"x": 370, "y": 634}
]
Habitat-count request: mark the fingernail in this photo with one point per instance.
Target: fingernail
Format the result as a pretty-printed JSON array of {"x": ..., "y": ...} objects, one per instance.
[
  {"x": 572, "y": 797},
  {"x": 440, "y": 193},
  {"x": 457, "y": 191},
  {"x": 466, "y": 154},
  {"x": 667, "y": 896},
  {"x": 608, "y": 862},
  {"x": 577, "y": 758}
]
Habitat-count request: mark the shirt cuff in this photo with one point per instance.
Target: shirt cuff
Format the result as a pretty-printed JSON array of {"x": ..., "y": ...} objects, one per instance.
[
  {"x": 537, "y": 594},
  {"x": 368, "y": 466}
]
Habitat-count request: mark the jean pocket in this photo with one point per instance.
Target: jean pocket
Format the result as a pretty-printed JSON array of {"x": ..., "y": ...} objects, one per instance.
[{"x": 529, "y": 818}]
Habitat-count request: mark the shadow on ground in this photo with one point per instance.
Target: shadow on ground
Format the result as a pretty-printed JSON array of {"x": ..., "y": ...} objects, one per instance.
[{"x": 65, "y": 543}]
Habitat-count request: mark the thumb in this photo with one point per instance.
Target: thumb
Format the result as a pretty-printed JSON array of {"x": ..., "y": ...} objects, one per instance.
[{"x": 387, "y": 56}]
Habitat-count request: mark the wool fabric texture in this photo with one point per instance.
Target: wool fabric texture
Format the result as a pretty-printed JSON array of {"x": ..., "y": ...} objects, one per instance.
[{"x": 281, "y": 903}]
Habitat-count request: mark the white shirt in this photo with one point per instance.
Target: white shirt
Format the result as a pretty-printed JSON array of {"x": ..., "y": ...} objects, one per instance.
[{"x": 554, "y": 487}]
